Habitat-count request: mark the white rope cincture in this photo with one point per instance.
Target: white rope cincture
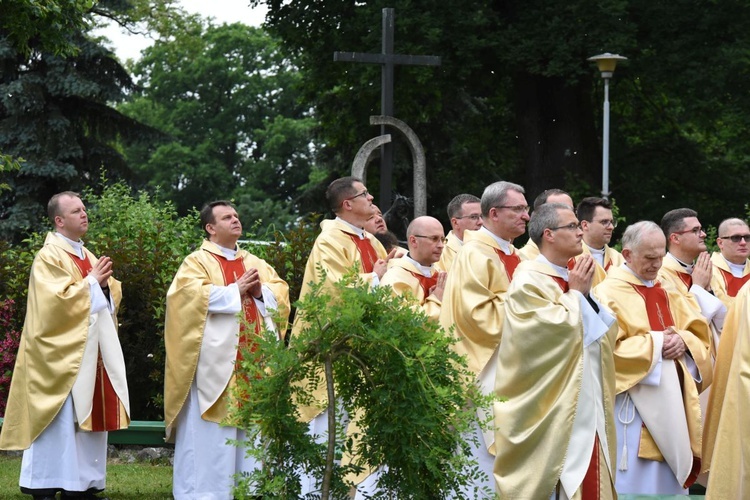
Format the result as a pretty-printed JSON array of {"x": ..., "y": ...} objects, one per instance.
[{"x": 625, "y": 415}]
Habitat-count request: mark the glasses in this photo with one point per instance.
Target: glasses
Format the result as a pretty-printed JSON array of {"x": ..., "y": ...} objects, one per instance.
[
  {"x": 474, "y": 217},
  {"x": 433, "y": 239},
  {"x": 736, "y": 238},
  {"x": 363, "y": 193},
  {"x": 516, "y": 208},
  {"x": 573, "y": 226},
  {"x": 696, "y": 230},
  {"x": 607, "y": 222}
]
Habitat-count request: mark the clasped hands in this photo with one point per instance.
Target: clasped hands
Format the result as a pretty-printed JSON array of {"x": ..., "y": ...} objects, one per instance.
[
  {"x": 249, "y": 284},
  {"x": 673, "y": 347}
]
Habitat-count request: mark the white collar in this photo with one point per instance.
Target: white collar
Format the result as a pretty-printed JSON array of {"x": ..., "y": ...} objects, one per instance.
[
  {"x": 425, "y": 270},
  {"x": 687, "y": 267},
  {"x": 647, "y": 283},
  {"x": 561, "y": 271},
  {"x": 504, "y": 244},
  {"x": 77, "y": 245},
  {"x": 357, "y": 230}
]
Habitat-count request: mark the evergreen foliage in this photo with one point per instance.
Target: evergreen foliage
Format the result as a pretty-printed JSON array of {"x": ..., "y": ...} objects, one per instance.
[
  {"x": 225, "y": 95},
  {"x": 395, "y": 374}
]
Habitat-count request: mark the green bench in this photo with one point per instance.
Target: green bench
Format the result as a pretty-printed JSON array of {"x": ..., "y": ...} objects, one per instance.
[{"x": 140, "y": 432}]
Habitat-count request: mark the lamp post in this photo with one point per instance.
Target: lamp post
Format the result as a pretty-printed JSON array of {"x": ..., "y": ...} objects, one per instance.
[{"x": 606, "y": 63}]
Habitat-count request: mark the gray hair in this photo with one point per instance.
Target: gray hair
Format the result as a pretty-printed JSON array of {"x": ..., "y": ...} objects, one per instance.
[
  {"x": 633, "y": 235},
  {"x": 495, "y": 195},
  {"x": 545, "y": 217}
]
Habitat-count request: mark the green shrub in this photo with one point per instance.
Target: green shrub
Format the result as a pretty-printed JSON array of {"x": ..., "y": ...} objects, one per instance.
[
  {"x": 147, "y": 242},
  {"x": 393, "y": 368}
]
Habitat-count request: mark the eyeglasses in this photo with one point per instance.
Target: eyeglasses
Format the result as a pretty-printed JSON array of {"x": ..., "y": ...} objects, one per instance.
[
  {"x": 607, "y": 222},
  {"x": 736, "y": 238},
  {"x": 696, "y": 230},
  {"x": 573, "y": 226},
  {"x": 516, "y": 208},
  {"x": 433, "y": 239},
  {"x": 363, "y": 193},
  {"x": 474, "y": 217}
]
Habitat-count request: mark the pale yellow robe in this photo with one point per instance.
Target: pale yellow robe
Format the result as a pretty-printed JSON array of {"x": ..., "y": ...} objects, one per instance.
[
  {"x": 404, "y": 284},
  {"x": 187, "y": 317},
  {"x": 541, "y": 373},
  {"x": 635, "y": 356},
  {"x": 52, "y": 343},
  {"x": 726, "y": 451},
  {"x": 718, "y": 283},
  {"x": 451, "y": 248},
  {"x": 529, "y": 251},
  {"x": 336, "y": 253}
]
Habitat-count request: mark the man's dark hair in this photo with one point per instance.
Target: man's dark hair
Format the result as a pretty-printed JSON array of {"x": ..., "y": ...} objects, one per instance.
[
  {"x": 207, "y": 213},
  {"x": 674, "y": 221},
  {"x": 542, "y": 198},
  {"x": 53, "y": 205},
  {"x": 587, "y": 207},
  {"x": 455, "y": 206},
  {"x": 339, "y": 190},
  {"x": 388, "y": 239}
]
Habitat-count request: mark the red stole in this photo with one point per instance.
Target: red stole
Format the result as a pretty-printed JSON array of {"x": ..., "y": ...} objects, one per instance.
[
  {"x": 657, "y": 306},
  {"x": 561, "y": 283},
  {"x": 686, "y": 278},
  {"x": 733, "y": 283},
  {"x": 367, "y": 252},
  {"x": 425, "y": 282},
  {"x": 510, "y": 262},
  {"x": 105, "y": 411},
  {"x": 231, "y": 270}
]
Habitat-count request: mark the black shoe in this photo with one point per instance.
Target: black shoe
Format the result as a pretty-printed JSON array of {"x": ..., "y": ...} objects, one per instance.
[{"x": 81, "y": 495}]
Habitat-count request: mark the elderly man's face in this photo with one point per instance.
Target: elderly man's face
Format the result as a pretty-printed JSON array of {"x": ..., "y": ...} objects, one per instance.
[{"x": 645, "y": 259}]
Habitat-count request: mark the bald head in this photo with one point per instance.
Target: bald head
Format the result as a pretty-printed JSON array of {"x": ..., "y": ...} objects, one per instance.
[{"x": 425, "y": 237}]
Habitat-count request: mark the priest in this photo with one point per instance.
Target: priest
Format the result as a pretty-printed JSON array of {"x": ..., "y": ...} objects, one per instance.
[
  {"x": 68, "y": 387},
  {"x": 414, "y": 276},
  {"x": 662, "y": 364},
  {"x": 730, "y": 264},
  {"x": 464, "y": 213},
  {"x": 205, "y": 340},
  {"x": 555, "y": 431},
  {"x": 474, "y": 300}
]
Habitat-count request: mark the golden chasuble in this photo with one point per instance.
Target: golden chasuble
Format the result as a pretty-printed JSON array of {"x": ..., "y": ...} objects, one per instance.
[
  {"x": 612, "y": 258},
  {"x": 634, "y": 356},
  {"x": 187, "y": 317},
  {"x": 406, "y": 281},
  {"x": 723, "y": 283},
  {"x": 540, "y": 372},
  {"x": 726, "y": 451},
  {"x": 474, "y": 298},
  {"x": 51, "y": 351},
  {"x": 336, "y": 253}
]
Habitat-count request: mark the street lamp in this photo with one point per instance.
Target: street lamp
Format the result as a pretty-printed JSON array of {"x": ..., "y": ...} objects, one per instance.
[{"x": 606, "y": 63}]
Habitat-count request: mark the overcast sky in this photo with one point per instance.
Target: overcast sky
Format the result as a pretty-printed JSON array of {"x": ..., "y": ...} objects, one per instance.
[{"x": 129, "y": 46}]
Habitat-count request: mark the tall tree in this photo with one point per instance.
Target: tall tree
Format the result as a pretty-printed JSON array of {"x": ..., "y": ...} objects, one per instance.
[
  {"x": 56, "y": 113},
  {"x": 226, "y": 97},
  {"x": 516, "y": 99}
]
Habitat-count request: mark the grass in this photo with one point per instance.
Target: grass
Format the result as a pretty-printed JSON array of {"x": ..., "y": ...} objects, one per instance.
[{"x": 124, "y": 481}]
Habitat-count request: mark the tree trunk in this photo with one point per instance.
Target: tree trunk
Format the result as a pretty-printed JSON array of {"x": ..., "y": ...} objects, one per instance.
[
  {"x": 331, "y": 452},
  {"x": 558, "y": 140}
]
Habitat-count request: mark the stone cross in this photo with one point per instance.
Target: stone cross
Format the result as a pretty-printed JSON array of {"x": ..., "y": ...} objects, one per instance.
[{"x": 387, "y": 59}]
